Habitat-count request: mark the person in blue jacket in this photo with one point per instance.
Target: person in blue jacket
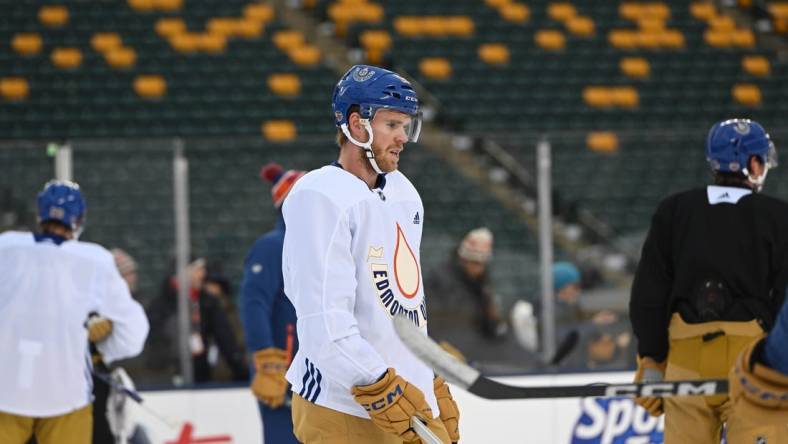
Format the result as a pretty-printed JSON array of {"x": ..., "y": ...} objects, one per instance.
[{"x": 269, "y": 318}]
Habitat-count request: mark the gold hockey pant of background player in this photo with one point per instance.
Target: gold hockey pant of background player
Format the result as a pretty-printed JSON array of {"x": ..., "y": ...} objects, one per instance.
[
  {"x": 695, "y": 419},
  {"x": 313, "y": 424},
  {"x": 72, "y": 428}
]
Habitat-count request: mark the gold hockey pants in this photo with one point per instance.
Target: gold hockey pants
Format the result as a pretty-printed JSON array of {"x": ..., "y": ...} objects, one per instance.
[
  {"x": 72, "y": 428},
  {"x": 702, "y": 351}
]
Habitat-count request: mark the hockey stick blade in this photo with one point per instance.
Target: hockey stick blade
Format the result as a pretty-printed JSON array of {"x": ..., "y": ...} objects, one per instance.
[{"x": 470, "y": 379}]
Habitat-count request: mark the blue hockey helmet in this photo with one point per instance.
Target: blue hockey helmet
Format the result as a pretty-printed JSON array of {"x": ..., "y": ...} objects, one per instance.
[
  {"x": 731, "y": 143},
  {"x": 62, "y": 201},
  {"x": 372, "y": 88}
]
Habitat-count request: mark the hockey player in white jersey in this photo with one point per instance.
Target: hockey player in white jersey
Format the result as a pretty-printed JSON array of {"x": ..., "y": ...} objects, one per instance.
[
  {"x": 55, "y": 292},
  {"x": 350, "y": 264}
]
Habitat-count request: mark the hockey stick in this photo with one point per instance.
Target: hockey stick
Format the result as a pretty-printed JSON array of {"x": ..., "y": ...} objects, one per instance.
[
  {"x": 421, "y": 429},
  {"x": 134, "y": 396},
  {"x": 470, "y": 379}
]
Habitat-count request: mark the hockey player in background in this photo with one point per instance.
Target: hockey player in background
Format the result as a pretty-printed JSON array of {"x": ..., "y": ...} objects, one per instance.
[
  {"x": 269, "y": 318},
  {"x": 759, "y": 388},
  {"x": 350, "y": 263},
  {"x": 58, "y": 292},
  {"x": 712, "y": 276}
]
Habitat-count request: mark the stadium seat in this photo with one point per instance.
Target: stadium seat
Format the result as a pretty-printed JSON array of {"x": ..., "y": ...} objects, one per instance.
[
  {"x": 14, "y": 88},
  {"x": 756, "y": 65},
  {"x": 53, "y": 16},
  {"x": 150, "y": 86},
  {"x": 279, "y": 130},
  {"x": 66, "y": 58},
  {"x": 27, "y": 43}
]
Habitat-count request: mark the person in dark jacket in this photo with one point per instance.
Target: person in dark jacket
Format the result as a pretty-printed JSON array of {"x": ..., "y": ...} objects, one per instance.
[
  {"x": 269, "y": 318},
  {"x": 711, "y": 277}
]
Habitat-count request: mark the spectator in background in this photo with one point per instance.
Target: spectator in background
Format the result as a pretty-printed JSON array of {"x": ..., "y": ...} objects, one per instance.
[
  {"x": 566, "y": 287},
  {"x": 211, "y": 331},
  {"x": 464, "y": 312},
  {"x": 269, "y": 318}
]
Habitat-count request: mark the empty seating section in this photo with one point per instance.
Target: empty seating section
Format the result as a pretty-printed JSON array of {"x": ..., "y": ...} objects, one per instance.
[
  {"x": 654, "y": 64},
  {"x": 153, "y": 67}
]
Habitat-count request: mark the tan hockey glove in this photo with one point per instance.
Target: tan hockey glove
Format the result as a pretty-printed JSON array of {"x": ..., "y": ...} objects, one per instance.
[
  {"x": 269, "y": 384},
  {"x": 650, "y": 370},
  {"x": 98, "y": 327},
  {"x": 757, "y": 385},
  {"x": 450, "y": 413},
  {"x": 391, "y": 402}
]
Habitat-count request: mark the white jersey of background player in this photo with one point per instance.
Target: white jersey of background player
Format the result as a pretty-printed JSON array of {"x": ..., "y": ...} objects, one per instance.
[
  {"x": 351, "y": 256},
  {"x": 50, "y": 284}
]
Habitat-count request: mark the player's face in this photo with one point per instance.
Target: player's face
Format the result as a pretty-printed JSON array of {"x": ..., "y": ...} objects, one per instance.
[{"x": 390, "y": 132}]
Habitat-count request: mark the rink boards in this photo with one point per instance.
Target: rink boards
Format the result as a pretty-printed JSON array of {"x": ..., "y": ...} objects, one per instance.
[{"x": 230, "y": 415}]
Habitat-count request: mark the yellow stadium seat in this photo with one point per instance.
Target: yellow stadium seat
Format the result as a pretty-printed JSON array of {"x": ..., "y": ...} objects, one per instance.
[
  {"x": 743, "y": 38},
  {"x": 598, "y": 97},
  {"x": 747, "y": 94},
  {"x": 703, "y": 10},
  {"x": 306, "y": 55},
  {"x": 718, "y": 39},
  {"x": 550, "y": 39},
  {"x": 222, "y": 25},
  {"x": 168, "y": 5},
  {"x": 407, "y": 26},
  {"x": 651, "y": 24},
  {"x": 66, "y": 58},
  {"x": 185, "y": 42},
  {"x": 279, "y": 130},
  {"x": 671, "y": 38},
  {"x": 460, "y": 26},
  {"x": 494, "y": 53},
  {"x": 722, "y": 23},
  {"x": 142, "y": 5},
  {"x": 625, "y": 96},
  {"x": 635, "y": 11},
  {"x": 756, "y": 65},
  {"x": 168, "y": 27},
  {"x": 370, "y": 13},
  {"x": 581, "y": 26},
  {"x": 779, "y": 9},
  {"x": 375, "y": 39},
  {"x": 434, "y": 26},
  {"x": 602, "y": 141},
  {"x": 249, "y": 28},
  {"x": 14, "y": 88},
  {"x": 288, "y": 39},
  {"x": 211, "y": 43},
  {"x": 287, "y": 85},
  {"x": 260, "y": 12},
  {"x": 623, "y": 38},
  {"x": 435, "y": 68},
  {"x": 497, "y": 3},
  {"x": 53, "y": 15},
  {"x": 561, "y": 11},
  {"x": 121, "y": 57},
  {"x": 105, "y": 41},
  {"x": 150, "y": 86},
  {"x": 636, "y": 67},
  {"x": 27, "y": 43},
  {"x": 515, "y": 12},
  {"x": 646, "y": 39}
]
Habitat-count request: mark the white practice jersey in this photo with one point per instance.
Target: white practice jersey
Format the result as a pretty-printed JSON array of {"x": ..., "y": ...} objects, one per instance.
[
  {"x": 46, "y": 293},
  {"x": 350, "y": 263}
]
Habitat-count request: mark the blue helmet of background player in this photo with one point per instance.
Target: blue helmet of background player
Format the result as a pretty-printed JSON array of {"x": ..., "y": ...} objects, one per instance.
[
  {"x": 372, "y": 88},
  {"x": 61, "y": 201},
  {"x": 731, "y": 143}
]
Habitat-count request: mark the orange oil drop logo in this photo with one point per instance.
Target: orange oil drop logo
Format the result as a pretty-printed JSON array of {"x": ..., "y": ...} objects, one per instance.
[{"x": 406, "y": 267}]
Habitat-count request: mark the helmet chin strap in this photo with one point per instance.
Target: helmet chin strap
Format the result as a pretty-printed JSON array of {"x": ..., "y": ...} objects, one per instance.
[{"x": 366, "y": 146}]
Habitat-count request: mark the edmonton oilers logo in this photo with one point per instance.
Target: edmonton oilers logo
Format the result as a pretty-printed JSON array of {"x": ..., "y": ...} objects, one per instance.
[
  {"x": 363, "y": 74},
  {"x": 742, "y": 127}
]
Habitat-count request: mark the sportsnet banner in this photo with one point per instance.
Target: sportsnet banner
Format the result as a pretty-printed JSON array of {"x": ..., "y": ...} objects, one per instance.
[{"x": 201, "y": 416}]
